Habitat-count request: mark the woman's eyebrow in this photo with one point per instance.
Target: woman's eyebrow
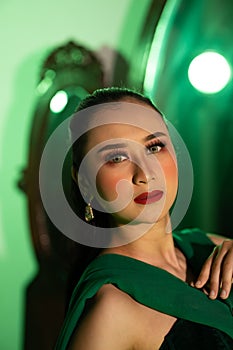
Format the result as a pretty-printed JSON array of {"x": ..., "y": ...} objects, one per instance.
[
  {"x": 153, "y": 136},
  {"x": 123, "y": 145},
  {"x": 112, "y": 146}
]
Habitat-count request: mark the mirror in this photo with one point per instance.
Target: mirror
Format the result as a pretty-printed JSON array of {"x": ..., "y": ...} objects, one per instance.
[{"x": 68, "y": 74}]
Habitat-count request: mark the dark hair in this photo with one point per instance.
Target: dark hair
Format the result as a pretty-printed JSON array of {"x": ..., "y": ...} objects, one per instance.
[
  {"x": 114, "y": 94},
  {"x": 100, "y": 96}
]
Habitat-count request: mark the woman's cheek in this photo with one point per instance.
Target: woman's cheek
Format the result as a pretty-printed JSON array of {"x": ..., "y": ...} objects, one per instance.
[
  {"x": 106, "y": 184},
  {"x": 170, "y": 168},
  {"x": 170, "y": 172}
]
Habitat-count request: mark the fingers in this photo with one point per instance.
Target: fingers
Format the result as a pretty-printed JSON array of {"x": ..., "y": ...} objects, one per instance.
[
  {"x": 218, "y": 271},
  {"x": 215, "y": 274},
  {"x": 227, "y": 273},
  {"x": 206, "y": 270}
]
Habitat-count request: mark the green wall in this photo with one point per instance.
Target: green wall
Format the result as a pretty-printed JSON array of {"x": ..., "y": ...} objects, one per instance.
[{"x": 30, "y": 29}]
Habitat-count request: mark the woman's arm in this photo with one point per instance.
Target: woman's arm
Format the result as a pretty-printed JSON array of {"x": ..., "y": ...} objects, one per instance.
[
  {"x": 105, "y": 325},
  {"x": 217, "y": 271}
]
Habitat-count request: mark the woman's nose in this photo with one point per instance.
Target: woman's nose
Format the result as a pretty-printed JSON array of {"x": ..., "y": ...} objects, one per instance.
[{"x": 144, "y": 172}]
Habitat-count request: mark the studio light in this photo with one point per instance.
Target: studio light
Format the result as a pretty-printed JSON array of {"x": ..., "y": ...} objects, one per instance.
[
  {"x": 58, "y": 102},
  {"x": 209, "y": 72}
]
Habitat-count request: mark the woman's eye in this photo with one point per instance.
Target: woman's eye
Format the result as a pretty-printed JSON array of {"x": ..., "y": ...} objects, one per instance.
[
  {"x": 118, "y": 158},
  {"x": 156, "y": 147}
]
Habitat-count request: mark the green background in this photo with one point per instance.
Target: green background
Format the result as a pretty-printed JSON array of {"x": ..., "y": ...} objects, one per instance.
[{"x": 29, "y": 30}]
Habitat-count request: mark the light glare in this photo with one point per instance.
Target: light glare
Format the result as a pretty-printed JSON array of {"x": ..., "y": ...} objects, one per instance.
[
  {"x": 209, "y": 72},
  {"x": 58, "y": 102}
]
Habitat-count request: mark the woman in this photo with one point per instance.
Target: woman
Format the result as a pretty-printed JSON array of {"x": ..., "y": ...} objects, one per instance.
[{"x": 145, "y": 287}]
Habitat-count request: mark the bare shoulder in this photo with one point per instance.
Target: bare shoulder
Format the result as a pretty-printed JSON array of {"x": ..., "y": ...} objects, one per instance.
[
  {"x": 113, "y": 320},
  {"x": 105, "y": 323},
  {"x": 110, "y": 296},
  {"x": 144, "y": 327},
  {"x": 115, "y": 305}
]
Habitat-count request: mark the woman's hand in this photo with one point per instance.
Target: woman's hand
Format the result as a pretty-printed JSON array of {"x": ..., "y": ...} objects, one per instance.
[{"x": 216, "y": 274}]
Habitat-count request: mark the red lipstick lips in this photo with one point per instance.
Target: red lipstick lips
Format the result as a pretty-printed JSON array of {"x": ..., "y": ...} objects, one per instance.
[{"x": 149, "y": 197}]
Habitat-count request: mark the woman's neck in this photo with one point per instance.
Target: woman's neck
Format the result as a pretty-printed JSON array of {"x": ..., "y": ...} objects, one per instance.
[{"x": 155, "y": 247}]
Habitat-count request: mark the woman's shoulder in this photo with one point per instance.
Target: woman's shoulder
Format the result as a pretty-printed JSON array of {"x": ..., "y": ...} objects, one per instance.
[
  {"x": 138, "y": 326},
  {"x": 111, "y": 300},
  {"x": 107, "y": 317},
  {"x": 118, "y": 308}
]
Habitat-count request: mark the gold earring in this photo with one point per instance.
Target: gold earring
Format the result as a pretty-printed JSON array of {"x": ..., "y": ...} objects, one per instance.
[{"x": 89, "y": 213}]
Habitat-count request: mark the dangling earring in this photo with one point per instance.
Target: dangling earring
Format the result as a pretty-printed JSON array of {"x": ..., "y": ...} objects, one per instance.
[{"x": 89, "y": 213}]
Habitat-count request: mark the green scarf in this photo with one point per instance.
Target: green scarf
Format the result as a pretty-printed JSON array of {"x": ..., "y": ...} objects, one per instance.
[{"x": 153, "y": 287}]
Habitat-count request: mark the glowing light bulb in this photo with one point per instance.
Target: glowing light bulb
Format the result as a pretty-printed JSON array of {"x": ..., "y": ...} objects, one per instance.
[
  {"x": 209, "y": 72},
  {"x": 58, "y": 102}
]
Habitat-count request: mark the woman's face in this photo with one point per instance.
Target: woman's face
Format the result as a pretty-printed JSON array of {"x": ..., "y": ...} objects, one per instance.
[{"x": 130, "y": 164}]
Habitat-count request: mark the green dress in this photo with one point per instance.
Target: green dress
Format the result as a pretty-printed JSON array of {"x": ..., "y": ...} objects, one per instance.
[{"x": 153, "y": 287}]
